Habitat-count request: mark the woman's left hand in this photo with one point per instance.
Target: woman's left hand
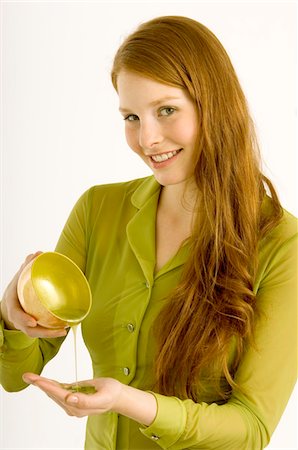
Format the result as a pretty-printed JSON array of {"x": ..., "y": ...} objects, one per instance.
[{"x": 105, "y": 398}]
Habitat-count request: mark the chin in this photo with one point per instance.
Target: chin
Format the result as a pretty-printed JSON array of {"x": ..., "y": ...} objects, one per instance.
[{"x": 168, "y": 180}]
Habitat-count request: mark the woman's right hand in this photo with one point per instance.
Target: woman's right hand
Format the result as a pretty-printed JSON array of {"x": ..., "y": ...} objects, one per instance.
[{"x": 15, "y": 318}]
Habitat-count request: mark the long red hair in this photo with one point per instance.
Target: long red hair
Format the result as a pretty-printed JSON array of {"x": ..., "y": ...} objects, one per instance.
[{"x": 213, "y": 305}]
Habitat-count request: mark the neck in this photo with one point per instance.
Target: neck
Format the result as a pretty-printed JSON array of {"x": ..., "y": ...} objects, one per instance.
[
  {"x": 178, "y": 199},
  {"x": 174, "y": 221}
]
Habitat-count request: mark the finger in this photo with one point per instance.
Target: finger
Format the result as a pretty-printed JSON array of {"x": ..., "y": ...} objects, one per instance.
[
  {"x": 41, "y": 332},
  {"x": 93, "y": 403},
  {"x": 76, "y": 405},
  {"x": 46, "y": 385},
  {"x": 29, "y": 377},
  {"x": 32, "y": 378},
  {"x": 14, "y": 313},
  {"x": 81, "y": 405},
  {"x": 62, "y": 404},
  {"x": 50, "y": 387},
  {"x": 71, "y": 404},
  {"x": 29, "y": 258},
  {"x": 21, "y": 318},
  {"x": 28, "y": 324},
  {"x": 58, "y": 394},
  {"x": 79, "y": 397},
  {"x": 58, "y": 390}
]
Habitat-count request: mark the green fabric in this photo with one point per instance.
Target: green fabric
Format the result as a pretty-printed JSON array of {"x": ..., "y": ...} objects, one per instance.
[{"x": 110, "y": 234}]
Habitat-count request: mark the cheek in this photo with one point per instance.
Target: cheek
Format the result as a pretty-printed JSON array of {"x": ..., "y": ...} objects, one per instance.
[
  {"x": 186, "y": 132},
  {"x": 132, "y": 139}
]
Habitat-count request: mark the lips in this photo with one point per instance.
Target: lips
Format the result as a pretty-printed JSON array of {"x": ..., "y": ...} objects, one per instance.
[{"x": 161, "y": 157}]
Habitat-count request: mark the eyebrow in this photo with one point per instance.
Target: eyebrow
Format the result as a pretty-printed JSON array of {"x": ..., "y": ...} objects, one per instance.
[{"x": 154, "y": 103}]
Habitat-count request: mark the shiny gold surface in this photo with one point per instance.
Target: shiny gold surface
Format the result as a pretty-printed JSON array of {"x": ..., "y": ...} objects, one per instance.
[{"x": 54, "y": 291}]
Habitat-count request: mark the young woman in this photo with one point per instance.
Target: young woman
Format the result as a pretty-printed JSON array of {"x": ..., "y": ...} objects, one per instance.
[{"x": 193, "y": 270}]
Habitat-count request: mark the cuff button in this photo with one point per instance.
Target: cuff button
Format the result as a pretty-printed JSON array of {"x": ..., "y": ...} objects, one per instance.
[{"x": 154, "y": 437}]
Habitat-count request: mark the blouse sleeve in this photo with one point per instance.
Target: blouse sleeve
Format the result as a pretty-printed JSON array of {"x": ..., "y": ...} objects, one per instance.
[
  {"x": 267, "y": 375},
  {"x": 20, "y": 353},
  {"x": 73, "y": 241}
]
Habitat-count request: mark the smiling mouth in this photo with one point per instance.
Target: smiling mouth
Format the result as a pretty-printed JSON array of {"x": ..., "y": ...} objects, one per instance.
[{"x": 165, "y": 156}]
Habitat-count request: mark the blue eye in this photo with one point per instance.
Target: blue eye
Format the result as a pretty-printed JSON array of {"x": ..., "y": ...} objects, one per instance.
[
  {"x": 166, "y": 111},
  {"x": 131, "y": 117}
]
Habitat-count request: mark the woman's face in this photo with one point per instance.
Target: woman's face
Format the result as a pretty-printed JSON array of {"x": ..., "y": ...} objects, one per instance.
[{"x": 161, "y": 126}]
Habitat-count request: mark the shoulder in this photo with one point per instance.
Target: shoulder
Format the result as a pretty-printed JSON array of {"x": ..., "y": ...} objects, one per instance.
[
  {"x": 285, "y": 230},
  {"x": 112, "y": 192},
  {"x": 117, "y": 190},
  {"x": 278, "y": 253},
  {"x": 117, "y": 197}
]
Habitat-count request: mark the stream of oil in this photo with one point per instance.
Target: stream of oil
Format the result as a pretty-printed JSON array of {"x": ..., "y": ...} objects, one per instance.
[
  {"x": 74, "y": 331},
  {"x": 76, "y": 387}
]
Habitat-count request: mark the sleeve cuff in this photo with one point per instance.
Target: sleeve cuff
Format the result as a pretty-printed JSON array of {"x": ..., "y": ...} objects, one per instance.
[
  {"x": 169, "y": 422},
  {"x": 13, "y": 339}
]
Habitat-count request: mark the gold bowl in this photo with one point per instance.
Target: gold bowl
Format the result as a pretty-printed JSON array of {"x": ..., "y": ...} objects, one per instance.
[{"x": 54, "y": 290}]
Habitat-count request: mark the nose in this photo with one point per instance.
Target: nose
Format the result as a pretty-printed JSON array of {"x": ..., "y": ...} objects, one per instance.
[{"x": 150, "y": 134}]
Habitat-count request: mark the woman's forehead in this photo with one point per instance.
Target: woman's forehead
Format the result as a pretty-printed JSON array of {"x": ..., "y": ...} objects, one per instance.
[{"x": 133, "y": 86}]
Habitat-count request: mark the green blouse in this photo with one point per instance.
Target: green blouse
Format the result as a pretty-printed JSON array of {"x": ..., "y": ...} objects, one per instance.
[{"x": 110, "y": 234}]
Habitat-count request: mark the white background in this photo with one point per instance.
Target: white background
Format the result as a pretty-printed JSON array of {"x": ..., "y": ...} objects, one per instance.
[{"x": 61, "y": 132}]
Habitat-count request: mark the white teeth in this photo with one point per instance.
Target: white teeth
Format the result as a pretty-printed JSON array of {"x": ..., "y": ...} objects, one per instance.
[{"x": 164, "y": 156}]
